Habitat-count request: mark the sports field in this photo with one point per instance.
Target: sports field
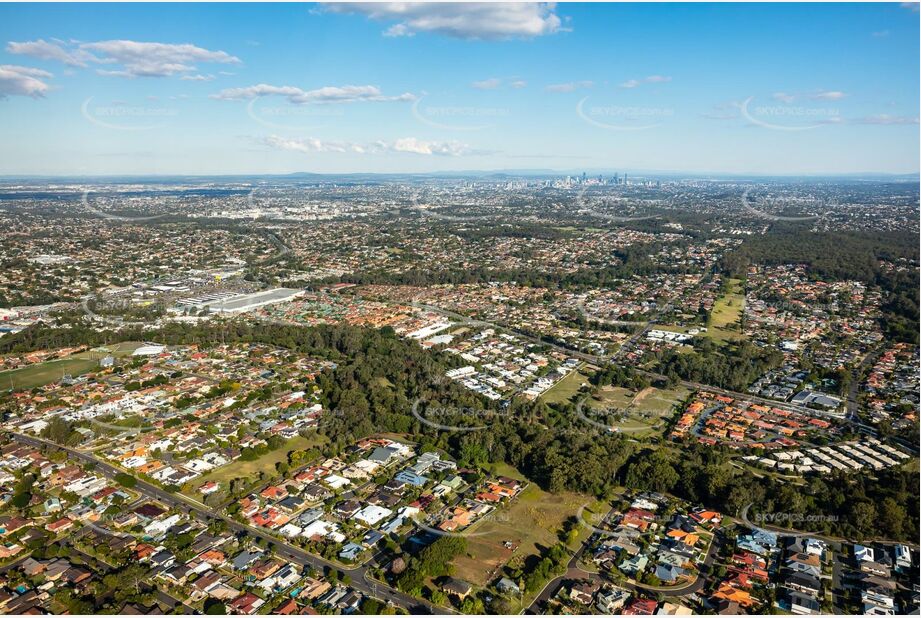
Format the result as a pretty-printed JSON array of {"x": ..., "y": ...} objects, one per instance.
[
  {"x": 40, "y": 374},
  {"x": 50, "y": 371}
]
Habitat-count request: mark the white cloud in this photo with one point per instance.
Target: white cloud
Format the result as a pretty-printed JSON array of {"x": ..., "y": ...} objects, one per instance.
[
  {"x": 886, "y": 119},
  {"x": 652, "y": 79},
  {"x": 914, "y": 7},
  {"x": 309, "y": 145},
  {"x": 495, "y": 82},
  {"x": 53, "y": 50},
  {"x": 22, "y": 81},
  {"x": 412, "y": 145},
  {"x": 828, "y": 95},
  {"x": 569, "y": 86},
  {"x": 398, "y": 30},
  {"x": 197, "y": 78},
  {"x": 416, "y": 146},
  {"x": 818, "y": 95},
  {"x": 131, "y": 58},
  {"x": 487, "y": 84},
  {"x": 297, "y": 96},
  {"x": 474, "y": 20},
  {"x": 723, "y": 111},
  {"x": 880, "y": 34}
]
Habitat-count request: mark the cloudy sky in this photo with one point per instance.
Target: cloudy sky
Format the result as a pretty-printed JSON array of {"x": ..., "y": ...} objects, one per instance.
[{"x": 398, "y": 87}]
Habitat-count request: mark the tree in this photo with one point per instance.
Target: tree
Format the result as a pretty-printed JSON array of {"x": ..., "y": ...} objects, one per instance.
[
  {"x": 370, "y": 606},
  {"x": 213, "y": 607},
  {"x": 21, "y": 501},
  {"x": 126, "y": 480},
  {"x": 439, "y": 597},
  {"x": 125, "y": 584},
  {"x": 61, "y": 432},
  {"x": 654, "y": 472},
  {"x": 863, "y": 516},
  {"x": 75, "y": 605},
  {"x": 892, "y": 518}
]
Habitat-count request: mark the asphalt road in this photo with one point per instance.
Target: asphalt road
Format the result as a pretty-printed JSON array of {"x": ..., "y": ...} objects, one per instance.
[
  {"x": 575, "y": 573},
  {"x": 781, "y": 531},
  {"x": 592, "y": 358},
  {"x": 359, "y": 575}
]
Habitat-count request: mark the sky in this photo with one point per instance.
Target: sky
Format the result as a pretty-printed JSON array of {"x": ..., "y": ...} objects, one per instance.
[{"x": 92, "y": 89}]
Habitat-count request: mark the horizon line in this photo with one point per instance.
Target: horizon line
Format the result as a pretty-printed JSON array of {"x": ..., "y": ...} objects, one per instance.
[{"x": 499, "y": 171}]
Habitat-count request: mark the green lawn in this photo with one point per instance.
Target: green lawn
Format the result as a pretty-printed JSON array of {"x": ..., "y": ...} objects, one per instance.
[
  {"x": 653, "y": 400},
  {"x": 250, "y": 469},
  {"x": 41, "y": 374},
  {"x": 726, "y": 316},
  {"x": 723, "y": 324},
  {"x": 50, "y": 371},
  {"x": 565, "y": 389},
  {"x": 123, "y": 348}
]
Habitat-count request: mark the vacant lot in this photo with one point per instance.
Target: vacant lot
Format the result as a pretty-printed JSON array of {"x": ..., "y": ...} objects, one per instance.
[
  {"x": 531, "y": 523},
  {"x": 641, "y": 410},
  {"x": 565, "y": 389},
  {"x": 652, "y": 400},
  {"x": 123, "y": 348},
  {"x": 250, "y": 470},
  {"x": 726, "y": 316},
  {"x": 724, "y": 322}
]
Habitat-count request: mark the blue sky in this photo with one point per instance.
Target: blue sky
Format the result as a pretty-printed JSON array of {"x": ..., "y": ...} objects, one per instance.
[{"x": 240, "y": 88}]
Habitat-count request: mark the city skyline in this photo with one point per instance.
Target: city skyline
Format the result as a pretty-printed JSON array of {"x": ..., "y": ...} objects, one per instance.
[{"x": 386, "y": 88}]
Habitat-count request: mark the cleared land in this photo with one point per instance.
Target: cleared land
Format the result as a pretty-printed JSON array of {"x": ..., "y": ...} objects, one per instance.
[
  {"x": 123, "y": 348},
  {"x": 726, "y": 316},
  {"x": 50, "y": 371},
  {"x": 250, "y": 470},
  {"x": 645, "y": 409},
  {"x": 566, "y": 389},
  {"x": 724, "y": 322},
  {"x": 40, "y": 374},
  {"x": 531, "y": 523}
]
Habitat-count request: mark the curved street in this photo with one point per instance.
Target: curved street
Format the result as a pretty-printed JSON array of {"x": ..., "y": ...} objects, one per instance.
[{"x": 574, "y": 572}]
